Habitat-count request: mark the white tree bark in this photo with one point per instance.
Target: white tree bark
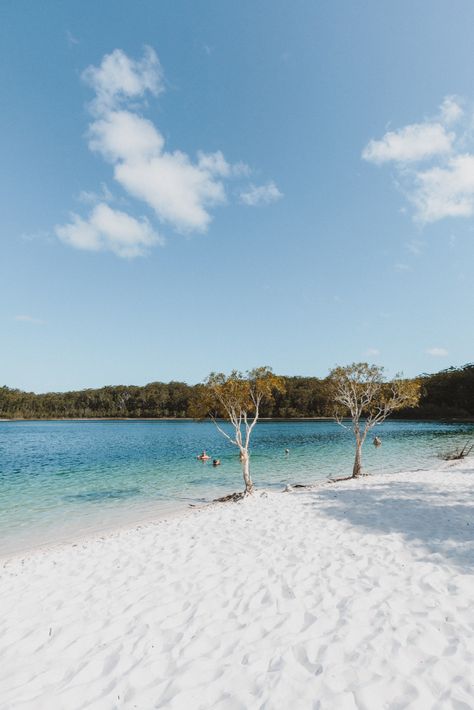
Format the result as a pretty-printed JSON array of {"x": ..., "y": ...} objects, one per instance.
[
  {"x": 357, "y": 469},
  {"x": 245, "y": 458}
]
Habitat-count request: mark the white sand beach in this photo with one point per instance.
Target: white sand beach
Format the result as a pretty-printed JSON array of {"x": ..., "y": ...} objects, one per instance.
[{"x": 358, "y": 595}]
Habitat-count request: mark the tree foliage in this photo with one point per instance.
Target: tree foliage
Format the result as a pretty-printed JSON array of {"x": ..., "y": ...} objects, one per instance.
[
  {"x": 447, "y": 394},
  {"x": 124, "y": 401}
]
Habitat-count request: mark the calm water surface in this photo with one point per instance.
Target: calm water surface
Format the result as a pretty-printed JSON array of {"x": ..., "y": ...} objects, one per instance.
[{"x": 61, "y": 479}]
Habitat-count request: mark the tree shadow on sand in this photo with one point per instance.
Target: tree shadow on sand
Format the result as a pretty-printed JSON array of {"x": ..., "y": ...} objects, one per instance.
[{"x": 423, "y": 515}]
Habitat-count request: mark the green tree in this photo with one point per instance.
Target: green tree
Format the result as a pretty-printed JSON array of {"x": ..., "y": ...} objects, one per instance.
[{"x": 361, "y": 393}]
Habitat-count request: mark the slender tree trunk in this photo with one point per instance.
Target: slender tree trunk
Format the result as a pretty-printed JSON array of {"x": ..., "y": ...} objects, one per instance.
[
  {"x": 357, "y": 470},
  {"x": 246, "y": 472}
]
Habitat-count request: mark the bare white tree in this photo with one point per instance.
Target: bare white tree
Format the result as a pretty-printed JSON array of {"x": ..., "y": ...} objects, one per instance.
[{"x": 361, "y": 394}]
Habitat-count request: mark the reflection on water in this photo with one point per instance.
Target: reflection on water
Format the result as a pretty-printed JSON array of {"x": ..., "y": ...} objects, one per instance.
[{"x": 60, "y": 478}]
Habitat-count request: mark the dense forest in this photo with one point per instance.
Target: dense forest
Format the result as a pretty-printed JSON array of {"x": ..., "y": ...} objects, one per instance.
[
  {"x": 444, "y": 395},
  {"x": 448, "y": 394}
]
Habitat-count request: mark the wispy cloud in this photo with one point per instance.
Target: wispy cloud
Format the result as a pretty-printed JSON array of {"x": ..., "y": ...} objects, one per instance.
[
  {"x": 400, "y": 266},
  {"x": 29, "y": 319},
  {"x": 437, "y": 352},
  {"x": 372, "y": 352},
  {"x": 92, "y": 198},
  {"x": 71, "y": 40},
  {"x": 434, "y": 162},
  {"x": 255, "y": 195},
  {"x": 415, "y": 247},
  {"x": 180, "y": 190}
]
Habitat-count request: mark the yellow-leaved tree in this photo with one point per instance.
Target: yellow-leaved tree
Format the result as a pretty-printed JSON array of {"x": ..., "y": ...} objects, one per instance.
[{"x": 237, "y": 399}]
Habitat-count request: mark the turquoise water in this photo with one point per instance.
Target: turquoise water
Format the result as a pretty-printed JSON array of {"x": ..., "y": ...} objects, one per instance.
[{"x": 61, "y": 479}]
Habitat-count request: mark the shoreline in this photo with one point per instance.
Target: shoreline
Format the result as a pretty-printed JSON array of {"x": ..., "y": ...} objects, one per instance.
[
  {"x": 74, "y": 539},
  {"x": 446, "y": 420},
  {"x": 183, "y": 511},
  {"x": 346, "y": 593},
  {"x": 160, "y": 419}
]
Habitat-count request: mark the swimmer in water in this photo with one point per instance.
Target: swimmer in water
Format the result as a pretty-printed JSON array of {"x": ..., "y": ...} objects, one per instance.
[
  {"x": 216, "y": 462},
  {"x": 203, "y": 456}
]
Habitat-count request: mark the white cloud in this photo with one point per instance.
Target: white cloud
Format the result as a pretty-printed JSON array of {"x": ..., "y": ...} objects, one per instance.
[
  {"x": 120, "y": 78},
  {"x": 372, "y": 352},
  {"x": 109, "y": 230},
  {"x": 177, "y": 189},
  {"x": 29, "y": 319},
  {"x": 451, "y": 110},
  {"x": 411, "y": 143},
  {"x": 444, "y": 187},
  {"x": 260, "y": 195},
  {"x": 214, "y": 163},
  {"x": 437, "y": 352},
  {"x": 446, "y": 191},
  {"x": 180, "y": 189},
  {"x": 122, "y": 135}
]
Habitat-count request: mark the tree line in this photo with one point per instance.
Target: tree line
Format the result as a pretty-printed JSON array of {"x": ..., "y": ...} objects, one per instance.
[{"x": 444, "y": 395}]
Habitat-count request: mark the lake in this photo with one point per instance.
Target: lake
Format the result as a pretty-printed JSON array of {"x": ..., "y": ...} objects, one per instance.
[{"x": 62, "y": 479}]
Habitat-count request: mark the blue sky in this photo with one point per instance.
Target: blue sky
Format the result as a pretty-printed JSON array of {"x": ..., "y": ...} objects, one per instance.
[{"x": 190, "y": 187}]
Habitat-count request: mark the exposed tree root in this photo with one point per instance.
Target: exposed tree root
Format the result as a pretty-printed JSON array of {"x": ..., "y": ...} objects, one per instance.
[
  {"x": 348, "y": 478},
  {"x": 232, "y": 497},
  {"x": 291, "y": 486},
  {"x": 457, "y": 454}
]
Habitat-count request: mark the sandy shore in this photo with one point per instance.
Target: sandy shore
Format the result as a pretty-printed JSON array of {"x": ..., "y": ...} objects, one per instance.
[{"x": 355, "y": 595}]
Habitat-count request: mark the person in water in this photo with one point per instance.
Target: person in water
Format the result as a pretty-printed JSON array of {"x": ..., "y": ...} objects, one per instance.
[
  {"x": 377, "y": 441},
  {"x": 203, "y": 456},
  {"x": 216, "y": 462}
]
